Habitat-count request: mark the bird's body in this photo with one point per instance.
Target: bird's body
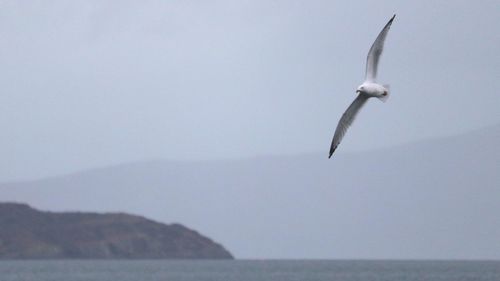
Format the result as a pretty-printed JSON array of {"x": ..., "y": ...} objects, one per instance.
[
  {"x": 369, "y": 89},
  {"x": 373, "y": 90}
]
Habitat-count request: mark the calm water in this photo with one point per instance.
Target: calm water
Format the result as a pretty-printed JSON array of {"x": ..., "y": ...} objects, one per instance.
[{"x": 248, "y": 270}]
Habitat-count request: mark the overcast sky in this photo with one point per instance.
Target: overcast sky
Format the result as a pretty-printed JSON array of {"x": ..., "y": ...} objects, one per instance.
[{"x": 92, "y": 83}]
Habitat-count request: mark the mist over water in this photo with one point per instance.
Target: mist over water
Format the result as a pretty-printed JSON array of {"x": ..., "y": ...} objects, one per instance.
[{"x": 432, "y": 199}]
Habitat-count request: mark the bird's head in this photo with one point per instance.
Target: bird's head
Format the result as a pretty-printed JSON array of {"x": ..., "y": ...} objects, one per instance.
[{"x": 361, "y": 89}]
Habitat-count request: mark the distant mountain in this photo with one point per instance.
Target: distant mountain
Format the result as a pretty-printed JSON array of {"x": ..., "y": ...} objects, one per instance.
[
  {"x": 26, "y": 233},
  {"x": 430, "y": 199}
]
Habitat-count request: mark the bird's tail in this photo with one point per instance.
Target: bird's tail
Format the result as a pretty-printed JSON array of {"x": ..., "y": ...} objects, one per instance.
[{"x": 386, "y": 94}]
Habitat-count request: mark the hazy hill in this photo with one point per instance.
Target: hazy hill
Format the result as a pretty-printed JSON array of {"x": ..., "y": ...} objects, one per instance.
[
  {"x": 431, "y": 199},
  {"x": 26, "y": 233}
]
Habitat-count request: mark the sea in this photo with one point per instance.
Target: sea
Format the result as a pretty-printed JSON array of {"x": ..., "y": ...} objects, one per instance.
[{"x": 248, "y": 270}]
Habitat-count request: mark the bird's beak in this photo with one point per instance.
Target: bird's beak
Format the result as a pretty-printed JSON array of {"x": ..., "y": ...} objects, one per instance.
[{"x": 358, "y": 91}]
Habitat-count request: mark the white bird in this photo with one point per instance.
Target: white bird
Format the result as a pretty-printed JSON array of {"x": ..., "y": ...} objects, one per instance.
[{"x": 368, "y": 89}]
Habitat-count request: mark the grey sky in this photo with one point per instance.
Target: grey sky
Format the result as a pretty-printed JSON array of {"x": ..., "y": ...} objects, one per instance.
[{"x": 90, "y": 83}]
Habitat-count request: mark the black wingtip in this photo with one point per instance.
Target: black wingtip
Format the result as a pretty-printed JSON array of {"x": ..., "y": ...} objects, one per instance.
[
  {"x": 389, "y": 22},
  {"x": 332, "y": 150}
]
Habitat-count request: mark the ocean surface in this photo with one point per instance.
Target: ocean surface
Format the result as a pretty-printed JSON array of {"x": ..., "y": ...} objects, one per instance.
[{"x": 241, "y": 270}]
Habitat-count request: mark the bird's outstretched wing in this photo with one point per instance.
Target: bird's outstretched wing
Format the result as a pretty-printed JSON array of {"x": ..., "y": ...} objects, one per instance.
[
  {"x": 346, "y": 121},
  {"x": 375, "y": 52}
]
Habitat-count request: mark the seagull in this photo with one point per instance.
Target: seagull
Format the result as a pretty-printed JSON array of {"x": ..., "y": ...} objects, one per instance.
[{"x": 369, "y": 89}]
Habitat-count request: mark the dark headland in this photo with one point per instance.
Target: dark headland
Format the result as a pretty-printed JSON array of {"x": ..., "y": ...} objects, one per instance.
[{"x": 26, "y": 233}]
